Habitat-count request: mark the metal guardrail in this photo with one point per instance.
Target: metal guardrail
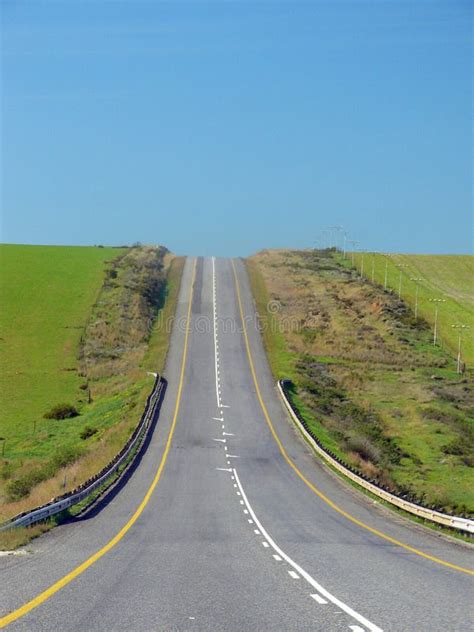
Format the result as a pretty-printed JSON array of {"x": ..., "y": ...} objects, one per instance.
[
  {"x": 455, "y": 522},
  {"x": 75, "y": 496}
]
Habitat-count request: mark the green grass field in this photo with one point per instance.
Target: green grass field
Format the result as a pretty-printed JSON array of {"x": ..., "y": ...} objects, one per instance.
[
  {"x": 74, "y": 323},
  {"x": 46, "y": 293},
  {"x": 449, "y": 277}
]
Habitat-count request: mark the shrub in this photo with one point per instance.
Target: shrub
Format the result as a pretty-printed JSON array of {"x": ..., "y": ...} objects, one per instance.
[
  {"x": 62, "y": 411},
  {"x": 20, "y": 487},
  {"x": 364, "y": 448},
  {"x": 65, "y": 456},
  {"x": 6, "y": 471},
  {"x": 87, "y": 432},
  {"x": 456, "y": 447}
]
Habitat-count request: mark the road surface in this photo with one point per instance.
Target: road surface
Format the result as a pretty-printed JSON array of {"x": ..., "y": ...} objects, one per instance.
[{"x": 229, "y": 522}]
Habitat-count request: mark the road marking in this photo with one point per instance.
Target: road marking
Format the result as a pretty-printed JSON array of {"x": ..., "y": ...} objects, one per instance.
[
  {"x": 220, "y": 440},
  {"x": 229, "y": 434},
  {"x": 277, "y": 558},
  {"x": 250, "y": 521},
  {"x": 224, "y": 406},
  {"x": 313, "y": 488},
  {"x": 265, "y": 544},
  {"x": 293, "y": 574},
  {"x": 64, "y": 581},
  {"x": 218, "y": 418},
  {"x": 224, "y": 469},
  {"x": 245, "y": 511},
  {"x": 356, "y": 628},
  {"x": 233, "y": 456},
  {"x": 225, "y": 447},
  {"x": 256, "y": 531},
  {"x": 238, "y": 493},
  {"x": 214, "y": 320},
  {"x": 320, "y": 600},
  {"x": 355, "y": 615},
  {"x": 241, "y": 502}
]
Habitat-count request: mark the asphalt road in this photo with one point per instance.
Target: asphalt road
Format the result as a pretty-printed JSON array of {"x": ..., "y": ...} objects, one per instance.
[{"x": 229, "y": 537}]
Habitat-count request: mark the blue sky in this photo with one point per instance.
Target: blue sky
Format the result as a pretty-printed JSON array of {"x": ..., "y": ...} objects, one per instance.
[{"x": 227, "y": 127}]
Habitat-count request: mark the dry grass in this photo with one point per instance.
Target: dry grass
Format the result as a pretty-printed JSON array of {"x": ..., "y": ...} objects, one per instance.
[
  {"x": 14, "y": 538},
  {"x": 367, "y": 375}
]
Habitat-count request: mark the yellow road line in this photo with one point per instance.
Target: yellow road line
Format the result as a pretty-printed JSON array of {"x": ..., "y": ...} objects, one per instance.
[
  {"x": 313, "y": 488},
  {"x": 49, "y": 592}
]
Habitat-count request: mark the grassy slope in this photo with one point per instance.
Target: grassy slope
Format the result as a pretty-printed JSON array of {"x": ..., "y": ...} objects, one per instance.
[
  {"x": 119, "y": 390},
  {"x": 350, "y": 358},
  {"x": 444, "y": 276},
  {"x": 155, "y": 357},
  {"x": 46, "y": 293}
]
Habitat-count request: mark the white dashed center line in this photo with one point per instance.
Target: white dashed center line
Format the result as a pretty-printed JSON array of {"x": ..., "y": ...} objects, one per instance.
[
  {"x": 298, "y": 571},
  {"x": 323, "y": 595},
  {"x": 216, "y": 346}
]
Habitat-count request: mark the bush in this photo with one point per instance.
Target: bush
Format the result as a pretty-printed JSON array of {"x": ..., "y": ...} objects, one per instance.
[
  {"x": 20, "y": 487},
  {"x": 456, "y": 447},
  {"x": 6, "y": 471},
  {"x": 62, "y": 411},
  {"x": 87, "y": 432},
  {"x": 364, "y": 448},
  {"x": 64, "y": 456}
]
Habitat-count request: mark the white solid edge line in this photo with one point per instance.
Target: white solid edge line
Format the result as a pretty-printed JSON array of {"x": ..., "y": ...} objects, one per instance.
[{"x": 347, "y": 609}]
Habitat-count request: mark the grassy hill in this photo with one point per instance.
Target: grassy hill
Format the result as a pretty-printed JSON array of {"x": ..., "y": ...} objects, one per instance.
[
  {"x": 450, "y": 277},
  {"x": 366, "y": 375},
  {"x": 46, "y": 293},
  {"x": 78, "y": 326}
]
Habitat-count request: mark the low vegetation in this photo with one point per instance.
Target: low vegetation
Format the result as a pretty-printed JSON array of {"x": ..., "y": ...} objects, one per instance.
[
  {"x": 367, "y": 377},
  {"x": 113, "y": 339},
  {"x": 62, "y": 411},
  {"x": 445, "y": 277}
]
